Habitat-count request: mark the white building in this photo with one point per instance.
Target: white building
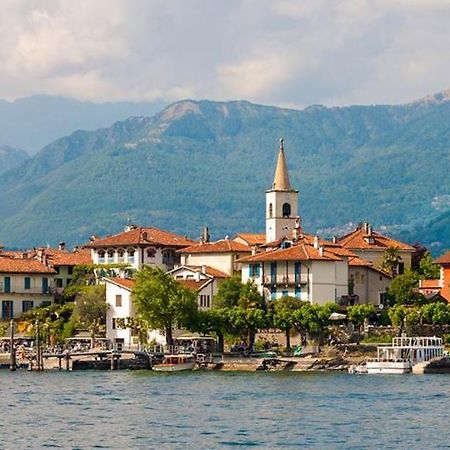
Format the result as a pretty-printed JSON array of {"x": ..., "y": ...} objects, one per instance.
[
  {"x": 24, "y": 284},
  {"x": 138, "y": 246}
]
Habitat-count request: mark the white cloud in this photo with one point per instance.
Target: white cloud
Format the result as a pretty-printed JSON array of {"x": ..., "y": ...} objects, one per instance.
[{"x": 285, "y": 52}]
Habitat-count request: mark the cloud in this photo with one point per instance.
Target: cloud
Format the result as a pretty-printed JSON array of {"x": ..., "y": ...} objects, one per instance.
[{"x": 284, "y": 52}]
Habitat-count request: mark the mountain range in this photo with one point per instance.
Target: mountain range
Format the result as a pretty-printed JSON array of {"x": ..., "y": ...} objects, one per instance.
[
  {"x": 11, "y": 157},
  {"x": 199, "y": 163}
]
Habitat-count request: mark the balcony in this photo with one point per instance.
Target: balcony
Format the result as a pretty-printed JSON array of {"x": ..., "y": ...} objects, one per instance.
[{"x": 286, "y": 280}]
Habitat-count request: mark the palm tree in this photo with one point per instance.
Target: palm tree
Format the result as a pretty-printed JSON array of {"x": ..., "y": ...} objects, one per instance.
[{"x": 391, "y": 260}]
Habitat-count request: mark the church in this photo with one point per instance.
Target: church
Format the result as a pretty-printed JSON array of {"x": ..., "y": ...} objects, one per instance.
[{"x": 293, "y": 263}]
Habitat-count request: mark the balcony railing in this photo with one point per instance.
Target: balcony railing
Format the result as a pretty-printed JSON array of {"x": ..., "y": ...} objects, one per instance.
[{"x": 286, "y": 279}]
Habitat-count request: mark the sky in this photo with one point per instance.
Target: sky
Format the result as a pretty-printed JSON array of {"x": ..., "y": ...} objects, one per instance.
[{"x": 279, "y": 52}]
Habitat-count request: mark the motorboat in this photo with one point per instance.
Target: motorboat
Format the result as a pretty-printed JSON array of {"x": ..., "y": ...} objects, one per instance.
[
  {"x": 404, "y": 353},
  {"x": 176, "y": 363}
]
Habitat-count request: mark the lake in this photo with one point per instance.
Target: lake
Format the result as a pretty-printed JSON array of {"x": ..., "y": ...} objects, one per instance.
[{"x": 206, "y": 410}]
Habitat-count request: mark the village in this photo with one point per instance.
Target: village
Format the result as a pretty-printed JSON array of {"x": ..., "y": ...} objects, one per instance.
[{"x": 362, "y": 283}]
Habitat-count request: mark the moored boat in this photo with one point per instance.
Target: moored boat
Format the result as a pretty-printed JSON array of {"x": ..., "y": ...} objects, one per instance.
[
  {"x": 176, "y": 363},
  {"x": 404, "y": 353}
]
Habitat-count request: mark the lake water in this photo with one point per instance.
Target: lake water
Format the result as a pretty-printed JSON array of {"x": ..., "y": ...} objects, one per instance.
[{"x": 133, "y": 410}]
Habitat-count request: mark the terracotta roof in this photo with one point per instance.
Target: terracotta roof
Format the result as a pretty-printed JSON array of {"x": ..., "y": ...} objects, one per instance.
[
  {"x": 356, "y": 261},
  {"x": 359, "y": 240},
  {"x": 429, "y": 284},
  {"x": 58, "y": 257},
  {"x": 143, "y": 236},
  {"x": 18, "y": 265},
  {"x": 123, "y": 282},
  {"x": 193, "y": 285},
  {"x": 444, "y": 259},
  {"x": 298, "y": 252},
  {"x": 222, "y": 246},
  {"x": 252, "y": 238},
  {"x": 209, "y": 271}
]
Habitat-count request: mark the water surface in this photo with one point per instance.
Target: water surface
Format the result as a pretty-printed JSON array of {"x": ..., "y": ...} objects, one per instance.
[{"x": 128, "y": 410}]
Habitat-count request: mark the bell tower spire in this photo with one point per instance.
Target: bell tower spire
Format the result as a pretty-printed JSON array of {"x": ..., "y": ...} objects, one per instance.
[{"x": 281, "y": 202}]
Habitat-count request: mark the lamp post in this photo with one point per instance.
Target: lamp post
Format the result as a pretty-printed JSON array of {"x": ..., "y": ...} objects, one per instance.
[{"x": 12, "y": 347}]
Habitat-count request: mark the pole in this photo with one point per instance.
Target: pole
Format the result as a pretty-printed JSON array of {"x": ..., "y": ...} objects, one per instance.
[
  {"x": 38, "y": 346},
  {"x": 12, "y": 347}
]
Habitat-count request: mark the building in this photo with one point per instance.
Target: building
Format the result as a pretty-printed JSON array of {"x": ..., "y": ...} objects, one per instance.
[
  {"x": 367, "y": 284},
  {"x": 63, "y": 262},
  {"x": 371, "y": 246},
  {"x": 281, "y": 202},
  {"x": 203, "y": 280},
  {"x": 24, "y": 284},
  {"x": 251, "y": 239},
  {"x": 138, "y": 246},
  {"x": 299, "y": 270},
  {"x": 444, "y": 262},
  {"x": 222, "y": 255}
]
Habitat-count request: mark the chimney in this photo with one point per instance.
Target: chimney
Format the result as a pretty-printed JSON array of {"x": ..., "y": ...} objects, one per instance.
[
  {"x": 369, "y": 229},
  {"x": 62, "y": 246},
  {"x": 204, "y": 269},
  {"x": 366, "y": 227},
  {"x": 334, "y": 240},
  {"x": 253, "y": 250},
  {"x": 316, "y": 242},
  {"x": 321, "y": 250}
]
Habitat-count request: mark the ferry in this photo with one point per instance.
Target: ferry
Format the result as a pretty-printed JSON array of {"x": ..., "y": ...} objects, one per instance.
[
  {"x": 176, "y": 363},
  {"x": 404, "y": 353}
]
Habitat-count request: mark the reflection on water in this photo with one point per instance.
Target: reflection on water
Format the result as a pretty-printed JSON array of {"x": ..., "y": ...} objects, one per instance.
[{"x": 130, "y": 410}]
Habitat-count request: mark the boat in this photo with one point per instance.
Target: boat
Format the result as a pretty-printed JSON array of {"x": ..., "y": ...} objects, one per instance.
[
  {"x": 404, "y": 353},
  {"x": 176, "y": 363}
]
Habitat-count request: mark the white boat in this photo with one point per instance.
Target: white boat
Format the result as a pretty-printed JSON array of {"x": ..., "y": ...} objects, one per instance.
[
  {"x": 404, "y": 353},
  {"x": 176, "y": 363}
]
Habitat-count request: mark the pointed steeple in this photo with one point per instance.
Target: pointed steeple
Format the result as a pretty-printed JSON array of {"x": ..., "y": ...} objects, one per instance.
[{"x": 281, "y": 179}]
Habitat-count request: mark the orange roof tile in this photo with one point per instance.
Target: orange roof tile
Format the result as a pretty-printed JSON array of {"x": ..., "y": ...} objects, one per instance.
[
  {"x": 58, "y": 257},
  {"x": 18, "y": 265},
  {"x": 252, "y": 238},
  {"x": 359, "y": 240},
  {"x": 298, "y": 252},
  {"x": 444, "y": 259},
  {"x": 143, "y": 236},
  {"x": 209, "y": 271},
  {"x": 194, "y": 285},
  {"x": 429, "y": 284},
  {"x": 222, "y": 246},
  {"x": 123, "y": 282}
]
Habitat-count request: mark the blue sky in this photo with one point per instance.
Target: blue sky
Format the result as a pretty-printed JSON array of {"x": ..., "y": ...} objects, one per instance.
[{"x": 280, "y": 52}]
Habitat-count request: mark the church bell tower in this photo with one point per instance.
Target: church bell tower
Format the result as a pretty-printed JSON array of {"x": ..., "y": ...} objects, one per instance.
[{"x": 281, "y": 202}]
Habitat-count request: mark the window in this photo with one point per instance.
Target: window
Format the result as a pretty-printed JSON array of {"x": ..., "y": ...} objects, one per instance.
[
  {"x": 101, "y": 256},
  {"x": 121, "y": 255},
  {"x": 297, "y": 271},
  {"x": 110, "y": 256},
  {"x": 254, "y": 270},
  {"x": 7, "y": 285},
  {"x": 273, "y": 272},
  {"x": 151, "y": 252},
  {"x": 56, "y": 269},
  {"x": 7, "y": 309},
  {"x": 118, "y": 300},
  {"x": 401, "y": 268},
  {"x": 131, "y": 255},
  {"x": 286, "y": 210},
  {"x": 113, "y": 324},
  {"x": 27, "y": 305},
  {"x": 298, "y": 291},
  {"x": 270, "y": 210},
  {"x": 27, "y": 282},
  {"x": 45, "y": 285},
  {"x": 273, "y": 292},
  {"x": 70, "y": 270},
  {"x": 46, "y": 303},
  {"x": 59, "y": 283},
  {"x": 204, "y": 301},
  {"x": 68, "y": 281}
]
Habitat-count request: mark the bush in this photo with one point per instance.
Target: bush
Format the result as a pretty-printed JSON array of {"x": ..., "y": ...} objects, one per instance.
[{"x": 383, "y": 338}]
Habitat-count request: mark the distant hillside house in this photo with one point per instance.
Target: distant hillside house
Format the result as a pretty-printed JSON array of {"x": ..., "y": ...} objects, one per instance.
[
  {"x": 444, "y": 262},
  {"x": 138, "y": 246},
  {"x": 370, "y": 245},
  {"x": 24, "y": 284},
  {"x": 222, "y": 255},
  {"x": 203, "y": 280},
  {"x": 251, "y": 239}
]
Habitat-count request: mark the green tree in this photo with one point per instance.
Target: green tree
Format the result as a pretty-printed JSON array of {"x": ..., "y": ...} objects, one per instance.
[
  {"x": 90, "y": 309},
  {"x": 391, "y": 260},
  {"x": 228, "y": 292},
  {"x": 214, "y": 320},
  {"x": 359, "y": 313},
  {"x": 428, "y": 268},
  {"x": 162, "y": 302},
  {"x": 436, "y": 313},
  {"x": 246, "y": 322},
  {"x": 403, "y": 289},
  {"x": 397, "y": 315},
  {"x": 283, "y": 319}
]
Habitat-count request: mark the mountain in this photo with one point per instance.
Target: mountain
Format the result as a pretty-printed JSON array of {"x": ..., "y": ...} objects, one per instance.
[
  {"x": 11, "y": 157},
  {"x": 33, "y": 122},
  {"x": 202, "y": 163}
]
